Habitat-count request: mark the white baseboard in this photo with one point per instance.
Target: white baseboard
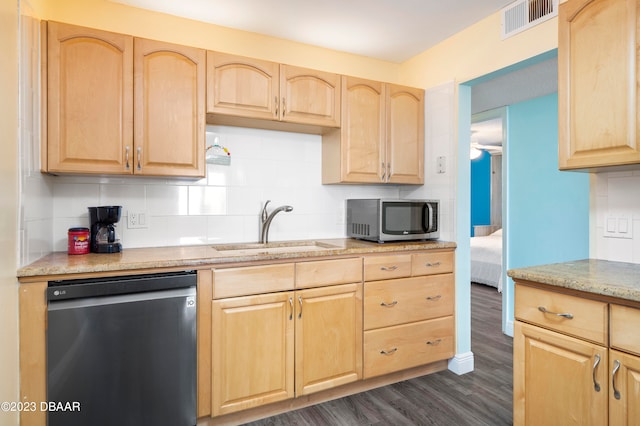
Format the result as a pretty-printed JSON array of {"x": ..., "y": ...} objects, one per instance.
[
  {"x": 509, "y": 328},
  {"x": 461, "y": 363}
]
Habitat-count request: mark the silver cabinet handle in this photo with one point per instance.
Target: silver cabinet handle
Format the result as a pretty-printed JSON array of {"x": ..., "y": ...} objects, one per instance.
[
  {"x": 389, "y": 305},
  {"x": 139, "y": 150},
  {"x": 616, "y": 367},
  {"x": 432, "y": 264},
  {"x": 284, "y": 106},
  {"x": 300, "y": 302},
  {"x": 596, "y": 385},
  {"x": 564, "y": 315},
  {"x": 277, "y": 105},
  {"x": 434, "y": 342},
  {"x": 290, "y": 308},
  {"x": 389, "y": 268},
  {"x": 434, "y": 298},
  {"x": 384, "y": 172},
  {"x": 383, "y": 352},
  {"x": 126, "y": 158}
]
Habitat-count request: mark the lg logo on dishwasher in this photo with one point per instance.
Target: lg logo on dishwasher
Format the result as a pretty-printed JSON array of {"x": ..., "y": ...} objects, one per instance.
[{"x": 191, "y": 302}]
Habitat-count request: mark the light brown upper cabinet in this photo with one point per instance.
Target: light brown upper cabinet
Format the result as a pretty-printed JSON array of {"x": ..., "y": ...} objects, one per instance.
[
  {"x": 90, "y": 100},
  {"x": 240, "y": 87},
  {"x": 597, "y": 84},
  {"x": 91, "y": 97},
  {"x": 243, "y": 87},
  {"x": 382, "y": 135},
  {"x": 169, "y": 109}
]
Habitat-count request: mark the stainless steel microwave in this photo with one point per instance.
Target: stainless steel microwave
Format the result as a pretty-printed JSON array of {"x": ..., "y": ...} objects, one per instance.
[{"x": 393, "y": 220}]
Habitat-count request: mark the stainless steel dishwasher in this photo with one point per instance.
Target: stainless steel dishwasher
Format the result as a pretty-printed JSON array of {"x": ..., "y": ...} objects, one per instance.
[{"x": 122, "y": 350}]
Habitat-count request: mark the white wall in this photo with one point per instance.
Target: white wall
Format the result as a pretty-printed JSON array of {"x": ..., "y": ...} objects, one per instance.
[{"x": 615, "y": 195}]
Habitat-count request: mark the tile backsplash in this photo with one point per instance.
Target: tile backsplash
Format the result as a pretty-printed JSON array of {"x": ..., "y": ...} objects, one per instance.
[
  {"x": 223, "y": 207},
  {"x": 615, "y": 200}
]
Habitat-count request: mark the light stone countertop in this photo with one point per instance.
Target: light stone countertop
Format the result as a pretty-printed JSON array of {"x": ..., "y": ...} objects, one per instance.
[
  {"x": 60, "y": 263},
  {"x": 614, "y": 279}
]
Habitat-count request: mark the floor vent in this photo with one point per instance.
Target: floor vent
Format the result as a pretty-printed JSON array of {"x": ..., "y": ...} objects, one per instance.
[{"x": 524, "y": 14}]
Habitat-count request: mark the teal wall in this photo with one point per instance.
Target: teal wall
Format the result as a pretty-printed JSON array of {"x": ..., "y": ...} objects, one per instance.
[
  {"x": 547, "y": 211},
  {"x": 481, "y": 190}
]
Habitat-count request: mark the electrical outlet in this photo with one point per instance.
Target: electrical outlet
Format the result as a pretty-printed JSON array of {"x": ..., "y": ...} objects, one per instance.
[{"x": 137, "y": 219}]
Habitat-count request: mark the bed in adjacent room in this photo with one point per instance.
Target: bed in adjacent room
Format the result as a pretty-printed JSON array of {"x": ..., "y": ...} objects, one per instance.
[{"x": 486, "y": 260}]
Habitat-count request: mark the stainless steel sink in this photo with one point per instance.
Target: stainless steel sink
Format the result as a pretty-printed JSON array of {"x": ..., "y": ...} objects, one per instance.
[{"x": 242, "y": 249}]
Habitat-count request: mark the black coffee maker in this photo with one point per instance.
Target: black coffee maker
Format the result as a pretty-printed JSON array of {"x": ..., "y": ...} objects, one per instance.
[{"x": 103, "y": 229}]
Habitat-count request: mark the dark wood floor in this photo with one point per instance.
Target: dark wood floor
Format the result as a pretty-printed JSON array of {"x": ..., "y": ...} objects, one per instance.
[{"x": 482, "y": 397}]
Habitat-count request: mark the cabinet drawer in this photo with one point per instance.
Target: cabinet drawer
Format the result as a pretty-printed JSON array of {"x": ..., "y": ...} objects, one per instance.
[
  {"x": 404, "y": 346},
  {"x": 588, "y": 318},
  {"x": 624, "y": 328},
  {"x": 393, "y": 302},
  {"x": 249, "y": 280},
  {"x": 387, "y": 267},
  {"x": 432, "y": 263},
  {"x": 328, "y": 272}
]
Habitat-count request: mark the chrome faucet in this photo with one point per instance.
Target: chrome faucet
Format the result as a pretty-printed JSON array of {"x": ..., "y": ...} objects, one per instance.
[{"x": 265, "y": 220}]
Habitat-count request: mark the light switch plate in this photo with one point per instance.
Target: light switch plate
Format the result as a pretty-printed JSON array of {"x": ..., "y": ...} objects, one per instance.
[{"x": 618, "y": 226}]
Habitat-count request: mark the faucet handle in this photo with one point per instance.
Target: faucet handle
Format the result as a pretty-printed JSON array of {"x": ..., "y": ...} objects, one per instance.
[{"x": 263, "y": 213}]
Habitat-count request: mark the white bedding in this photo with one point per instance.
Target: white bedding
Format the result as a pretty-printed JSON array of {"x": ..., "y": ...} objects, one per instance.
[{"x": 486, "y": 260}]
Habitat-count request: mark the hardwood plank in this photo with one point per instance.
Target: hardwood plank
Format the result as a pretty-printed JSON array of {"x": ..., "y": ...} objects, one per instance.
[{"x": 482, "y": 397}]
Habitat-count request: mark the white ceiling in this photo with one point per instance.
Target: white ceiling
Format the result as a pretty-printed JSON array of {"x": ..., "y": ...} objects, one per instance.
[{"x": 391, "y": 30}]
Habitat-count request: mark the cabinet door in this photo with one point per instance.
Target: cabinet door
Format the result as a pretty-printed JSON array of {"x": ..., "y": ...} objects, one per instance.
[
  {"x": 555, "y": 378},
  {"x": 405, "y": 135},
  {"x": 328, "y": 337},
  {"x": 624, "y": 390},
  {"x": 169, "y": 109},
  {"x": 243, "y": 87},
  {"x": 90, "y": 100},
  {"x": 363, "y": 131},
  {"x": 309, "y": 96},
  {"x": 252, "y": 351},
  {"x": 597, "y": 86}
]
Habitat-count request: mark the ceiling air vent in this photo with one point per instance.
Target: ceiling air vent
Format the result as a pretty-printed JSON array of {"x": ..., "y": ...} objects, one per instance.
[{"x": 524, "y": 14}]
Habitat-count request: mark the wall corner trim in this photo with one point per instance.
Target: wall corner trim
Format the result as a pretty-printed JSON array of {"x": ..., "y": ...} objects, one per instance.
[{"x": 462, "y": 363}]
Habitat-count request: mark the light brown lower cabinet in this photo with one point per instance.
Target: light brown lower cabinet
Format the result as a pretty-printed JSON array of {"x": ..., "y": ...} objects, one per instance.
[
  {"x": 408, "y": 311},
  {"x": 555, "y": 379},
  {"x": 272, "y": 347},
  {"x": 573, "y": 364}
]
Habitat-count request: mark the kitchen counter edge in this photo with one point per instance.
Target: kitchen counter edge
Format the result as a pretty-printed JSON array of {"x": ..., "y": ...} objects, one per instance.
[
  {"x": 61, "y": 263},
  {"x": 608, "y": 278}
]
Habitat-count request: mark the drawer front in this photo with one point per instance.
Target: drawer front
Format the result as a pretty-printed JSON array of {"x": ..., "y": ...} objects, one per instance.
[
  {"x": 387, "y": 267},
  {"x": 394, "y": 302},
  {"x": 328, "y": 272},
  {"x": 249, "y": 280},
  {"x": 400, "y": 347},
  {"x": 583, "y": 318},
  {"x": 624, "y": 328},
  {"x": 432, "y": 263}
]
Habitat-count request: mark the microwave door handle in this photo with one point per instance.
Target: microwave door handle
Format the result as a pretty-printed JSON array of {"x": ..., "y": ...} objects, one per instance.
[{"x": 427, "y": 226}]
